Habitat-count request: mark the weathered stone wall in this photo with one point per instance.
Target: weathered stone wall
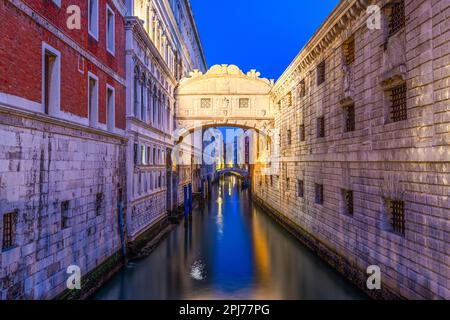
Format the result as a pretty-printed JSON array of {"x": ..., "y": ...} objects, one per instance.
[
  {"x": 44, "y": 162},
  {"x": 408, "y": 160}
]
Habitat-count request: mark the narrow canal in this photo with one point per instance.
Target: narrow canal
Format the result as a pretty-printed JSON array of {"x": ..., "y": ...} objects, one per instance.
[{"x": 230, "y": 250}]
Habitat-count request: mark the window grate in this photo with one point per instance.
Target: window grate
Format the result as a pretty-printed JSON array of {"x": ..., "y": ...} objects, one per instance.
[
  {"x": 397, "y": 214},
  {"x": 349, "y": 51},
  {"x": 288, "y": 137},
  {"x": 398, "y": 110},
  {"x": 289, "y": 99},
  {"x": 348, "y": 201},
  {"x": 397, "y": 17},
  {"x": 302, "y": 92},
  {"x": 64, "y": 214},
  {"x": 321, "y": 73},
  {"x": 99, "y": 200},
  {"x": 349, "y": 112},
  {"x": 8, "y": 230},
  {"x": 205, "y": 103},
  {"x": 300, "y": 188},
  {"x": 320, "y": 127},
  {"x": 301, "y": 130},
  {"x": 243, "y": 103},
  {"x": 319, "y": 193}
]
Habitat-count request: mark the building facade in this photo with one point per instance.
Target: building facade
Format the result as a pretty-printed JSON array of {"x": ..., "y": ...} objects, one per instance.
[
  {"x": 363, "y": 114},
  {"x": 62, "y": 124},
  {"x": 162, "y": 46}
]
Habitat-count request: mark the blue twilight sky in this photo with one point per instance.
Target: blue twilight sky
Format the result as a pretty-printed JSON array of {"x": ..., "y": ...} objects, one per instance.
[{"x": 264, "y": 35}]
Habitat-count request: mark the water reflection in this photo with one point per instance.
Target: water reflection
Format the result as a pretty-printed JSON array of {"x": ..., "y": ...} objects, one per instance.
[{"x": 229, "y": 250}]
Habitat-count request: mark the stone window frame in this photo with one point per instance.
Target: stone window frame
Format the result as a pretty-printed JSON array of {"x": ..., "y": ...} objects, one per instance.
[
  {"x": 288, "y": 137},
  {"x": 93, "y": 100},
  {"x": 300, "y": 188},
  {"x": 244, "y": 103},
  {"x": 348, "y": 109},
  {"x": 302, "y": 88},
  {"x": 321, "y": 73},
  {"x": 54, "y": 100},
  {"x": 348, "y": 196},
  {"x": 65, "y": 214},
  {"x": 205, "y": 103},
  {"x": 301, "y": 132},
  {"x": 93, "y": 18},
  {"x": 388, "y": 217},
  {"x": 9, "y": 239},
  {"x": 349, "y": 50},
  {"x": 320, "y": 126},
  {"x": 99, "y": 197},
  {"x": 110, "y": 108},
  {"x": 318, "y": 193},
  {"x": 110, "y": 26},
  {"x": 390, "y": 9},
  {"x": 388, "y": 86}
]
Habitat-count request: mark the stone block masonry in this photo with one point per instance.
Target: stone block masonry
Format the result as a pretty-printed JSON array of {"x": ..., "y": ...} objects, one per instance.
[
  {"x": 372, "y": 188},
  {"x": 45, "y": 164}
]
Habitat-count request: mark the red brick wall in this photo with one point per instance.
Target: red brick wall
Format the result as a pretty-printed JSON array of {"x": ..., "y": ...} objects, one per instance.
[{"x": 21, "y": 56}]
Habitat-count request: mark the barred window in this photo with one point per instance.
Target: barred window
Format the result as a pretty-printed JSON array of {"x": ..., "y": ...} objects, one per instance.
[
  {"x": 99, "y": 202},
  {"x": 397, "y": 215},
  {"x": 271, "y": 181},
  {"x": 397, "y": 17},
  {"x": 398, "y": 103},
  {"x": 318, "y": 193},
  {"x": 64, "y": 214},
  {"x": 289, "y": 99},
  {"x": 301, "y": 132},
  {"x": 300, "y": 188},
  {"x": 9, "y": 221},
  {"x": 321, "y": 73},
  {"x": 287, "y": 184},
  {"x": 288, "y": 137},
  {"x": 348, "y": 201},
  {"x": 302, "y": 88},
  {"x": 349, "y": 51},
  {"x": 320, "y": 127},
  {"x": 349, "y": 117},
  {"x": 243, "y": 103},
  {"x": 205, "y": 103}
]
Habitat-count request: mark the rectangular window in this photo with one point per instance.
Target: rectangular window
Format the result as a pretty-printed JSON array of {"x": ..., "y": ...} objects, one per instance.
[
  {"x": 320, "y": 127},
  {"x": 98, "y": 203},
  {"x": 93, "y": 18},
  {"x": 93, "y": 100},
  {"x": 287, "y": 184},
  {"x": 349, "y": 51},
  {"x": 143, "y": 157},
  {"x": 154, "y": 157},
  {"x": 302, "y": 89},
  {"x": 318, "y": 193},
  {"x": 149, "y": 151},
  {"x": 110, "y": 108},
  {"x": 288, "y": 137},
  {"x": 397, "y": 215},
  {"x": 271, "y": 181},
  {"x": 301, "y": 132},
  {"x": 64, "y": 214},
  {"x": 347, "y": 196},
  {"x": 135, "y": 154},
  {"x": 349, "y": 118},
  {"x": 51, "y": 77},
  {"x": 398, "y": 110},
  {"x": 396, "y": 17},
  {"x": 321, "y": 73},
  {"x": 289, "y": 99},
  {"x": 243, "y": 103},
  {"x": 205, "y": 103},
  {"x": 9, "y": 226},
  {"x": 110, "y": 30},
  {"x": 300, "y": 188}
]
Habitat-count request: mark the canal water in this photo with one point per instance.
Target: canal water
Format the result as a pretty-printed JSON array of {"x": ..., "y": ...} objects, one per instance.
[{"x": 229, "y": 250}]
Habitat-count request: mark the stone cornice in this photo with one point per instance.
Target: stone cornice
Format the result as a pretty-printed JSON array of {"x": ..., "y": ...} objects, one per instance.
[
  {"x": 225, "y": 70},
  {"x": 138, "y": 29},
  {"x": 346, "y": 12}
]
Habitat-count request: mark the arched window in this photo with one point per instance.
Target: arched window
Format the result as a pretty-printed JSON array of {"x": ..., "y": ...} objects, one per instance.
[
  {"x": 149, "y": 100},
  {"x": 155, "y": 106}
]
